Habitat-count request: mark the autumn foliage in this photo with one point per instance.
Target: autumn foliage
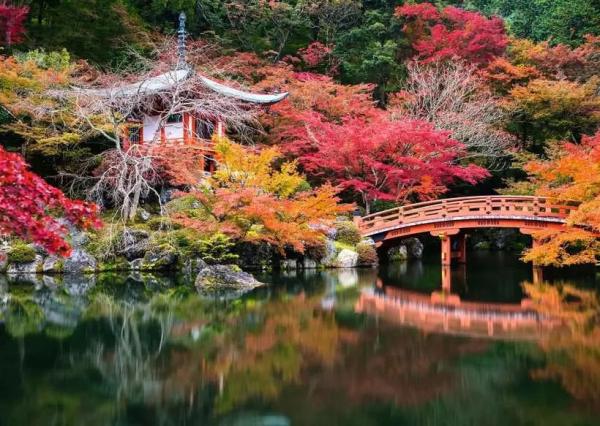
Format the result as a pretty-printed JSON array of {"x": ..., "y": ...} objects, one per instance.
[
  {"x": 30, "y": 208},
  {"x": 12, "y": 19},
  {"x": 250, "y": 199},
  {"x": 452, "y": 33},
  {"x": 380, "y": 159},
  {"x": 571, "y": 174}
]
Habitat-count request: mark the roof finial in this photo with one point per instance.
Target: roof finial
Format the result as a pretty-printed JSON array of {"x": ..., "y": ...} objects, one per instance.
[{"x": 181, "y": 36}]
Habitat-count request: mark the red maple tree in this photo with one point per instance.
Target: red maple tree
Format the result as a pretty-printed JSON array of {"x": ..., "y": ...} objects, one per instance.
[
  {"x": 380, "y": 159},
  {"x": 31, "y": 209},
  {"x": 11, "y": 23},
  {"x": 453, "y": 33}
]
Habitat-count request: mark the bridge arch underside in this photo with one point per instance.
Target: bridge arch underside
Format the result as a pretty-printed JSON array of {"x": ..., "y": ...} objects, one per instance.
[{"x": 448, "y": 227}]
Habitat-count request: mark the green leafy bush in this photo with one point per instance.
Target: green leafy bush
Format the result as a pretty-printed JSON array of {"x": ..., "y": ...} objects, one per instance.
[
  {"x": 21, "y": 253},
  {"x": 367, "y": 255},
  {"x": 347, "y": 233},
  {"x": 216, "y": 249}
]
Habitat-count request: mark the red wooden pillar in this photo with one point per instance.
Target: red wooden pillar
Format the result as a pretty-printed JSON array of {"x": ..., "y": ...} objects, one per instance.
[
  {"x": 446, "y": 279},
  {"x": 186, "y": 128},
  {"x": 446, "y": 249}
]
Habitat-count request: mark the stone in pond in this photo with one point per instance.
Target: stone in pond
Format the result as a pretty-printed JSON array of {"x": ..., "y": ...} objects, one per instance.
[{"x": 220, "y": 278}]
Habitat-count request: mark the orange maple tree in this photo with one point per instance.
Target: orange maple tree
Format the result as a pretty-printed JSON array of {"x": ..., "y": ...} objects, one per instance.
[
  {"x": 250, "y": 199},
  {"x": 571, "y": 174}
]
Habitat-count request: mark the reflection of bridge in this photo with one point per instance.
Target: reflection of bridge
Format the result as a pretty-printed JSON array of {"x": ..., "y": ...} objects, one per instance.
[
  {"x": 447, "y": 218},
  {"x": 448, "y": 315}
]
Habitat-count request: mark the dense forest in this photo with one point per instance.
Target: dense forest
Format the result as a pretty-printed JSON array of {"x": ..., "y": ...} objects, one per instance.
[{"x": 390, "y": 102}]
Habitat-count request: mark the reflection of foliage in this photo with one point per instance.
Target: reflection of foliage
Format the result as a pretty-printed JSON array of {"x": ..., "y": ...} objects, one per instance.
[
  {"x": 23, "y": 316},
  {"x": 573, "y": 357},
  {"x": 264, "y": 360}
]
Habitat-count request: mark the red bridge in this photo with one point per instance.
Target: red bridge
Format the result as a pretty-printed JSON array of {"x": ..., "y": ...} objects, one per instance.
[{"x": 450, "y": 217}]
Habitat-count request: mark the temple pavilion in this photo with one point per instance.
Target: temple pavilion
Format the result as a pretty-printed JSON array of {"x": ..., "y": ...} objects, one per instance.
[{"x": 151, "y": 124}]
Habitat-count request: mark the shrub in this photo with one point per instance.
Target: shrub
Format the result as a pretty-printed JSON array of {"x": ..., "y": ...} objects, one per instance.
[
  {"x": 367, "y": 255},
  {"x": 217, "y": 249},
  {"x": 316, "y": 251},
  {"x": 21, "y": 253},
  {"x": 347, "y": 233}
]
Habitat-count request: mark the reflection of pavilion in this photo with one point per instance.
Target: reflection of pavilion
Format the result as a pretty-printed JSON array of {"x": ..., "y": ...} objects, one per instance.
[{"x": 446, "y": 313}]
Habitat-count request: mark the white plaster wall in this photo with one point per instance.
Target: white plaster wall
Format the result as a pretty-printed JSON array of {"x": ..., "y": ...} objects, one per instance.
[
  {"x": 174, "y": 131},
  {"x": 151, "y": 128}
]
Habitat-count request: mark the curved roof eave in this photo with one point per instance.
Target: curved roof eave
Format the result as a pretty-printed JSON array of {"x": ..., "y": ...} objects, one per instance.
[
  {"x": 167, "y": 80},
  {"x": 255, "y": 98}
]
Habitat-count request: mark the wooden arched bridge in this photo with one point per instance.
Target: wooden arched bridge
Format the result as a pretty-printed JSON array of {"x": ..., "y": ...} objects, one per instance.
[{"x": 449, "y": 218}]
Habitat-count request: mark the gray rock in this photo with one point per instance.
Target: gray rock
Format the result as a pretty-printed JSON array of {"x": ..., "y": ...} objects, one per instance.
[
  {"x": 143, "y": 215},
  {"x": 161, "y": 258},
  {"x": 26, "y": 268},
  {"x": 136, "y": 264},
  {"x": 308, "y": 263},
  {"x": 194, "y": 266},
  {"x": 289, "y": 264},
  {"x": 330, "y": 253},
  {"x": 135, "y": 243},
  {"x": 52, "y": 264},
  {"x": 223, "y": 278},
  {"x": 415, "y": 248},
  {"x": 79, "y": 262},
  {"x": 346, "y": 259},
  {"x": 398, "y": 253},
  {"x": 78, "y": 238},
  {"x": 3, "y": 261}
]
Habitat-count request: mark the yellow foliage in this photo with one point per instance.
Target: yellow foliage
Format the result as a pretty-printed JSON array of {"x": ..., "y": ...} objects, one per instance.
[
  {"x": 572, "y": 173},
  {"x": 238, "y": 166}
]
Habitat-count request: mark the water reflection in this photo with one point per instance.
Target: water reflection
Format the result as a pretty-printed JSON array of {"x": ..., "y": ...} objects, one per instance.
[{"x": 150, "y": 351}]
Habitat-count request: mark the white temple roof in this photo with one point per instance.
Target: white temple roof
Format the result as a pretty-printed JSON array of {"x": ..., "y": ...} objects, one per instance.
[
  {"x": 168, "y": 80},
  {"x": 255, "y": 98}
]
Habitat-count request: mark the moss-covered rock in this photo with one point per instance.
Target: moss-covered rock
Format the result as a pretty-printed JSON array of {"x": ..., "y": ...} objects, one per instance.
[
  {"x": 222, "y": 278},
  {"x": 20, "y": 252},
  {"x": 160, "y": 258},
  {"x": 119, "y": 263}
]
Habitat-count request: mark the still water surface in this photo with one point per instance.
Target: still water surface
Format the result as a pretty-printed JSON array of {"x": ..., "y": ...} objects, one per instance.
[{"x": 122, "y": 351}]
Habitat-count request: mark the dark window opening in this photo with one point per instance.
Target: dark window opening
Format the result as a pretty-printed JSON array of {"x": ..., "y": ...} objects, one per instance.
[
  {"x": 210, "y": 164},
  {"x": 204, "y": 129},
  {"x": 135, "y": 134},
  {"x": 175, "y": 118}
]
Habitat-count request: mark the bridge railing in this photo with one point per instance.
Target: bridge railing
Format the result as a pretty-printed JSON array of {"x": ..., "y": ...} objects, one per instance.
[{"x": 482, "y": 206}]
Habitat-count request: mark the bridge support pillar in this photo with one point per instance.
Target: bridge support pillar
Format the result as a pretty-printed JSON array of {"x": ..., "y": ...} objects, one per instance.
[
  {"x": 446, "y": 279},
  {"x": 446, "y": 250}
]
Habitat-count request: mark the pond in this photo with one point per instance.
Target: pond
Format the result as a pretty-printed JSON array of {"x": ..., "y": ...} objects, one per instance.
[{"x": 306, "y": 350}]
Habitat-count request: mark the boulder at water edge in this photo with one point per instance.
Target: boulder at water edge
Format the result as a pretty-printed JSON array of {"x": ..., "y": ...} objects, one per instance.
[
  {"x": 223, "y": 278},
  {"x": 346, "y": 259},
  {"x": 79, "y": 262}
]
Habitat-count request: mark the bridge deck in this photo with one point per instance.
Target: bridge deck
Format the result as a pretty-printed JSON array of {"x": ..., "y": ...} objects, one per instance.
[{"x": 485, "y": 211}]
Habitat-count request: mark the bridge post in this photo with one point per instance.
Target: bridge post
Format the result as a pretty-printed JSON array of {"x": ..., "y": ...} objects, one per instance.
[
  {"x": 446, "y": 279},
  {"x": 446, "y": 250}
]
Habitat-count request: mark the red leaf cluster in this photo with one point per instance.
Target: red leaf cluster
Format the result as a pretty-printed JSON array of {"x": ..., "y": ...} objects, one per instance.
[
  {"x": 380, "y": 159},
  {"x": 453, "y": 33},
  {"x": 30, "y": 208},
  {"x": 11, "y": 23}
]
